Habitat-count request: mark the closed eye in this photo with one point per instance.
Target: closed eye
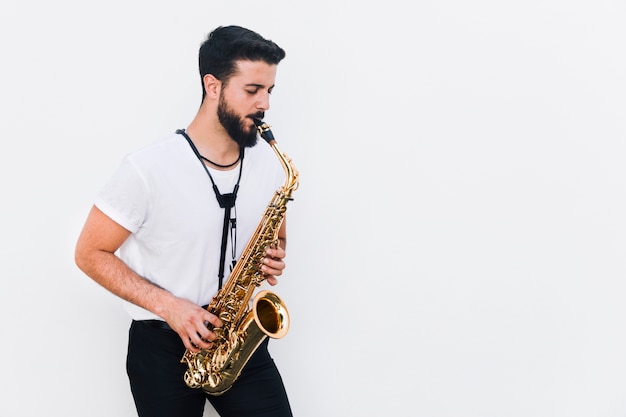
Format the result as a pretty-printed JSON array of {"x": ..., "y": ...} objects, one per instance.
[{"x": 254, "y": 89}]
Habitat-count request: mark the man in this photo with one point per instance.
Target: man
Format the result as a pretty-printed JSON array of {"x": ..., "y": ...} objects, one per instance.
[{"x": 156, "y": 235}]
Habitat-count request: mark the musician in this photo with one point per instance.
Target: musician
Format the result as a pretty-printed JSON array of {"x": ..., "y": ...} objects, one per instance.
[{"x": 167, "y": 227}]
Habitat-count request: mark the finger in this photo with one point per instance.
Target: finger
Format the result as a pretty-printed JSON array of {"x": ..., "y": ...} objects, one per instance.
[
  {"x": 190, "y": 345},
  {"x": 270, "y": 262},
  {"x": 208, "y": 338},
  {"x": 277, "y": 253},
  {"x": 272, "y": 268},
  {"x": 205, "y": 335},
  {"x": 213, "y": 320},
  {"x": 209, "y": 334},
  {"x": 200, "y": 342},
  {"x": 198, "y": 338}
]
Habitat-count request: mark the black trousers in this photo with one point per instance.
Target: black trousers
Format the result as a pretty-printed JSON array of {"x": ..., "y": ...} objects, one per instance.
[{"x": 156, "y": 380}]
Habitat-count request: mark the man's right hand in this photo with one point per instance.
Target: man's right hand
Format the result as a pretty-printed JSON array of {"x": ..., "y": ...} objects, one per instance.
[{"x": 190, "y": 321}]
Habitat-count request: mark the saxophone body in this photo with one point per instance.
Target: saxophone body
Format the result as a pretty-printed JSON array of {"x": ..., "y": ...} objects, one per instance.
[{"x": 245, "y": 325}]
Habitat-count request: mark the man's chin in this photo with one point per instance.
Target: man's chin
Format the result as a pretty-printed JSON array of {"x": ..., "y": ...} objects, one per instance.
[
  {"x": 251, "y": 120},
  {"x": 250, "y": 138},
  {"x": 251, "y": 126}
]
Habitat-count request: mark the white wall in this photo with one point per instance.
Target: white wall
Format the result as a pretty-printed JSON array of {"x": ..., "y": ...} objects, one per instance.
[{"x": 457, "y": 244}]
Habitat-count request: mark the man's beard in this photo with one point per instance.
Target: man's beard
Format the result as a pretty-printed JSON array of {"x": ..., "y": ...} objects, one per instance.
[{"x": 235, "y": 126}]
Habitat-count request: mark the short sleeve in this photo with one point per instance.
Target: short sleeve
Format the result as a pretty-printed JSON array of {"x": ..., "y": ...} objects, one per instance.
[{"x": 124, "y": 198}]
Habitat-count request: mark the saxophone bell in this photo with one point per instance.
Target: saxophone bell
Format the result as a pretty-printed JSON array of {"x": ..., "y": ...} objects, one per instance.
[{"x": 270, "y": 314}]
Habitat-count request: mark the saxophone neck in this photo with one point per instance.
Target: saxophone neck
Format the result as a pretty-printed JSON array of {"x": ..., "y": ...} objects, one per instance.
[{"x": 291, "y": 174}]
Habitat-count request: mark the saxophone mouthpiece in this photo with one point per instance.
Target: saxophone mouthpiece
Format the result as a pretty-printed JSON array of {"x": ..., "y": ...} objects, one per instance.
[{"x": 264, "y": 130}]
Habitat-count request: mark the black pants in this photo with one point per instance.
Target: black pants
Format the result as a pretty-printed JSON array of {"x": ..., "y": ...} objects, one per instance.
[{"x": 156, "y": 380}]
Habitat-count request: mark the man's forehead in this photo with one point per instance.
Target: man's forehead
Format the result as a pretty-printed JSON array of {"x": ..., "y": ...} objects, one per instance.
[
  {"x": 254, "y": 73},
  {"x": 245, "y": 66}
]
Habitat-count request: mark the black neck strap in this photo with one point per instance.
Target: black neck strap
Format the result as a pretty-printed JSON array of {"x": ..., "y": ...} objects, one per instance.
[{"x": 226, "y": 201}]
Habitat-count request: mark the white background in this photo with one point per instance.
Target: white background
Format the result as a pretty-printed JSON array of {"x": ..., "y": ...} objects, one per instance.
[{"x": 457, "y": 245}]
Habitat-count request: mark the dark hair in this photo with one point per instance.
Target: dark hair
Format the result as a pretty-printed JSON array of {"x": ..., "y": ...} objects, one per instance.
[{"x": 228, "y": 44}]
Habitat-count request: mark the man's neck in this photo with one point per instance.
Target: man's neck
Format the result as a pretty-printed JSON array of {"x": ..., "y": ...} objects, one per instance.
[{"x": 212, "y": 140}]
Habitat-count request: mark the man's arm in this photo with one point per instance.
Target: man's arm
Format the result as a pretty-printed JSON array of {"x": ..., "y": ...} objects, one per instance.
[{"x": 95, "y": 256}]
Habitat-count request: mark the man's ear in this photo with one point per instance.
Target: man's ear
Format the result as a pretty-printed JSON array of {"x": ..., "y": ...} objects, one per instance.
[{"x": 212, "y": 85}]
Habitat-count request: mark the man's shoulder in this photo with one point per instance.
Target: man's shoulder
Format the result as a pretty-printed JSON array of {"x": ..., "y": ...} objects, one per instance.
[{"x": 162, "y": 147}]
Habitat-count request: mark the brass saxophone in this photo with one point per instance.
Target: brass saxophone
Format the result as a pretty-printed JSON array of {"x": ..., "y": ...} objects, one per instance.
[{"x": 216, "y": 368}]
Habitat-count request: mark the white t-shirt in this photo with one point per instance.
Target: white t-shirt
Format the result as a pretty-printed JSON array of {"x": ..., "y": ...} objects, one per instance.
[{"x": 164, "y": 197}]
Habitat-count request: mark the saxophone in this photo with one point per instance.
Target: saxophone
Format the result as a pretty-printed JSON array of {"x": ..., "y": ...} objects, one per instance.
[{"x": 244, "y": 327}]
